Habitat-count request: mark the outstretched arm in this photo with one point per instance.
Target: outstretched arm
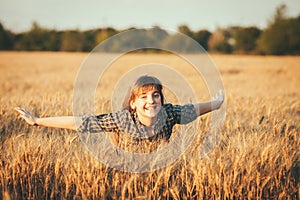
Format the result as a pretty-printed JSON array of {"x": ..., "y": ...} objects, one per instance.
[
  {"x": 68, "y": 122},
  {"x": 206, "y": 107}
]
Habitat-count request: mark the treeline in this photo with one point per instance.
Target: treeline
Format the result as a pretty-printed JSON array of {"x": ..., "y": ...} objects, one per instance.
[{"x": 280, "y": 37}]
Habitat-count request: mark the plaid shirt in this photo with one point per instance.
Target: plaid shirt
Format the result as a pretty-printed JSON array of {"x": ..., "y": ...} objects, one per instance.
[{"x": 127, "y": 122}]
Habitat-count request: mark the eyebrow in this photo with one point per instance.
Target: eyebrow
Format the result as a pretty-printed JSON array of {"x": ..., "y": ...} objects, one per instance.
[{"x": 142, "y": 93}]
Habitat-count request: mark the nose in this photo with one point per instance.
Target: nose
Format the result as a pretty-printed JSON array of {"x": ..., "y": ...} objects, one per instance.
[{"x": 150, "y": 99}]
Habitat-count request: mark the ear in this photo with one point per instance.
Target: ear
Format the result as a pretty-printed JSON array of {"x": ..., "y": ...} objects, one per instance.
[{"x": 132, "y": 105}]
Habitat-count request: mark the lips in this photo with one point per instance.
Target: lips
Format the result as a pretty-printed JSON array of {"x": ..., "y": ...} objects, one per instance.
[
  {"x": 150, "y": 108},
  {"x": 151, "y": 111}
]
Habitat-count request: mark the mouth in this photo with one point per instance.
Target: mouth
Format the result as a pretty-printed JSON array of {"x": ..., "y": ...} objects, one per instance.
[{"x": 151, "y": 108}]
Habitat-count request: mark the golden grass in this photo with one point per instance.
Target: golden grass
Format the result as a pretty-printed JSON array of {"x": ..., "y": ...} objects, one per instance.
[{"x": 257, "y": 157}]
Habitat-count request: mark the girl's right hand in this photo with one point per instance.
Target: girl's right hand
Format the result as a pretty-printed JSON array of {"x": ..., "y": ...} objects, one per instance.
[
  {"x": 218, "y": 100},
  {"x": 30, "y": 119}
]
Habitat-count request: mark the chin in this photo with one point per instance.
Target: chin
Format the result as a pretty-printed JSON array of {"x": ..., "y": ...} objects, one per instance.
[{"x": 151, "y": 113}]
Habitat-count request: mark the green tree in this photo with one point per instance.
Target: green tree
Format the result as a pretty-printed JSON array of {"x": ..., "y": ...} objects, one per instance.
[
  {"x": 282, "y": 36},
  {"x": 280, "y": 14},
  {"x": 52, "y": 40},
  {"x": 184, "y": 29},
  {"x": 202, "y": 37},
  {"x": 38, "y": 39},
  {"x": 72, "y": 40},
  {"x": 32, "y": 39},
  {"x": 89, "y": 40},
  {"x": 157, "y": 35},
  {"x": 181, "y": 44},
  {"x": 245, "y": 39},
  {"x": 221, "y": 40},
  {"x": 6, "y": 42},
  {"x": 104, "y": 33}
]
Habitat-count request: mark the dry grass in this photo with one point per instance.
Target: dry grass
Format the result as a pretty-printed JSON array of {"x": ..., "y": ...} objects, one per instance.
[{"x": 258, "y": 155}]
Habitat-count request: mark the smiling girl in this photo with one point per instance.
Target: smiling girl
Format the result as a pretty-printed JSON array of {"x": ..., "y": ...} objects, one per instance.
[{"x": 144, "y": 114}]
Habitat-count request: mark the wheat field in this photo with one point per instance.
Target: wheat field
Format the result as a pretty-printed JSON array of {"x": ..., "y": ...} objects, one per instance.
[{"x": 257, "y": 156}]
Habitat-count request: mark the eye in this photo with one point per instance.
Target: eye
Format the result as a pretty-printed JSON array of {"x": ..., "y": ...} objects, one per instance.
[
  {"x": 156, "y": 95},
  {"x": 143, "y": 97}
]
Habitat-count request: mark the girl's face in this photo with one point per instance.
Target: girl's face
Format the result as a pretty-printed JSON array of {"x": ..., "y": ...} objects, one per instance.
[{"x": 147, "y": 103}]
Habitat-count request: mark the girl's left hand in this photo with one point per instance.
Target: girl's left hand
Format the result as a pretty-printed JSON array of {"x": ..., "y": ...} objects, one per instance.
[{"x": 30, "y": 119}]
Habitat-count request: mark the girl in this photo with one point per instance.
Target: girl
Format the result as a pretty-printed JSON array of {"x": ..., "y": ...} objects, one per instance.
[{"x": 144, "y": 115}]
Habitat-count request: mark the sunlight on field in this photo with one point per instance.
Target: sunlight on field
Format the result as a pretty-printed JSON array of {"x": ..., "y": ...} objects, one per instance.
[{"x": 258, "y": 155}]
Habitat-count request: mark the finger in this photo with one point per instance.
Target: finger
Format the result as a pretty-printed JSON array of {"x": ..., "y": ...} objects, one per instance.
[
  {"x": 221, "y": 93},
  {"x": 24, "y": 112},
  {"x": 17, "y": 109},
  {"x": 23, "y": 116},
  {"x": 20, "y": 117},
  {"x": 215, "y": 96},
  {"x": 218, "y": 95},
  {"x": 20, "y": 110},
  {"x": 27, "y": 119}
]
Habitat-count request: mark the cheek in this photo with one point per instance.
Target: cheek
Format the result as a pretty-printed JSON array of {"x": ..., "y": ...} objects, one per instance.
[
  {"x": 158, "y": 100},
  {"x": 137, "y": 104}
]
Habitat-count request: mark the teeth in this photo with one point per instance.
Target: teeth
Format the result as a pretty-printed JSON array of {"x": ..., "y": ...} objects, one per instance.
[{"x": 151, "y": 108}]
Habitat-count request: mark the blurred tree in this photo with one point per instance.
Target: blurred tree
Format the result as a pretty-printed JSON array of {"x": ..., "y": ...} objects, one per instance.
[
  {"x": 6, "y": 39},
  {"x": 38, "y": 39},
  {"x": 104, "y": 33},
  {"x": 222, "y": 40},
  {"x": 181, "y": 44},
  {"x": 72, "y": 40},
  {"x": 90, "y": 40},
  {"x": 282, "y": 36},
  {"x": 184, "y": 29},
  {"x": 280, "y": 14},
  {"x": 202, "y": 37},
  {"x": 154, "y": 39},
  {"x": 137, "y": 40},
  {"x": 33, "y": 39},
  {"x": 52, "y": 40},
  {"x": 156, "y": 35},
  {"x": 245, "y": 39}
]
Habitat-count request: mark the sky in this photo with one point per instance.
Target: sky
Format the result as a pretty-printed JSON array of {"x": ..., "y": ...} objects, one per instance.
[{"x": 18, "y": 15}]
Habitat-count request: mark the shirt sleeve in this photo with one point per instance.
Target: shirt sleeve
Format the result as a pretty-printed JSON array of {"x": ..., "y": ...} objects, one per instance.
[
  {"x": 183, "y": 114},
  {"x": 99, "y": 123}
]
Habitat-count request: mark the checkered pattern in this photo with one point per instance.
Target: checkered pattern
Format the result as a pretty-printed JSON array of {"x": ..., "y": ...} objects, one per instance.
[{"x": 127, "y": 123}]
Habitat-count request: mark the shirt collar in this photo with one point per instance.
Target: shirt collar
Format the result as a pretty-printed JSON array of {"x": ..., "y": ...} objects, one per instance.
[{"x": 161, "y": 122}]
